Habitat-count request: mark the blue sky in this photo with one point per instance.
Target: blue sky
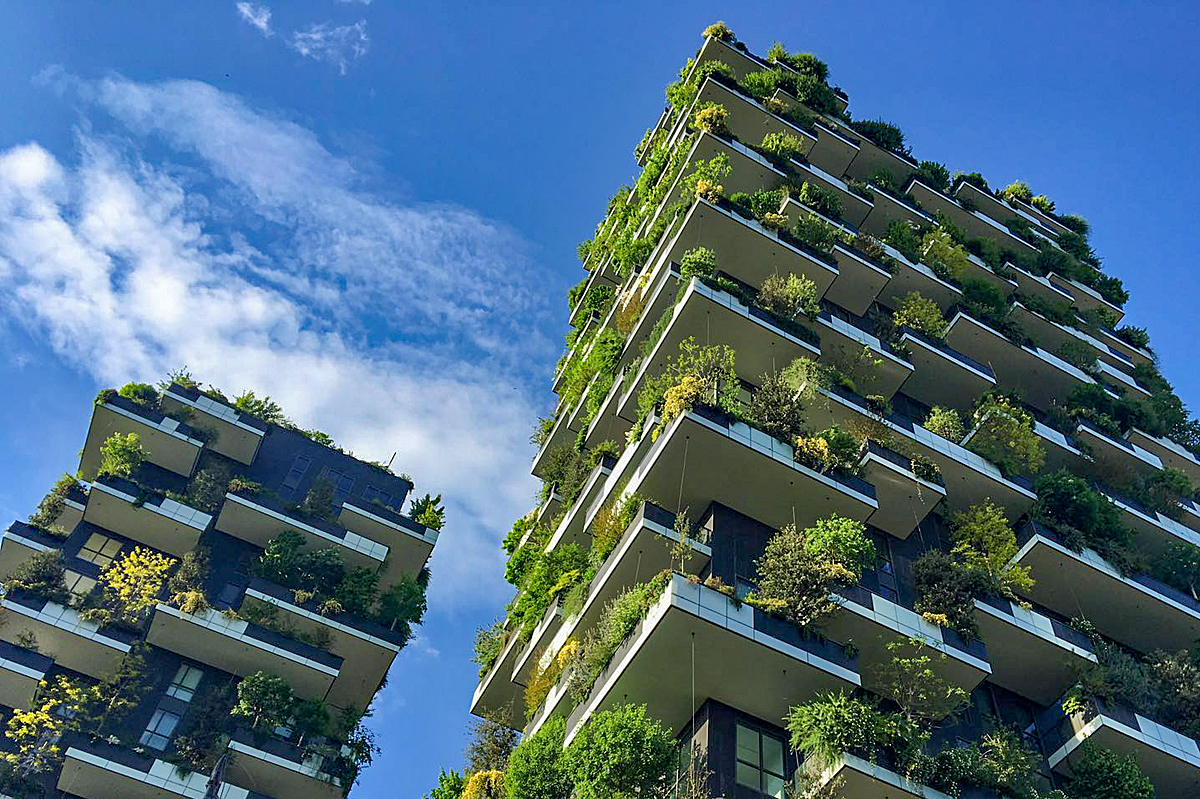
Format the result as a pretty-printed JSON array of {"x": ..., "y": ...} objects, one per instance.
[{"x": 370, "y": 209}]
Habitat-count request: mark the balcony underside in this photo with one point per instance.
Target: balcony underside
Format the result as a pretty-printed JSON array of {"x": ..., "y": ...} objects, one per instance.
[
  {"x": 1027, "y": 655},
  {"x": 943, "y": 377},
  {"x": 904, "y": 499},
  {"x": 832, "y": 151},
  {"x": 20, "y": 672},
  {"x": 748, "y": 120},
  {"x": 169, "y": 526},
  {"x": 1175, "y": 772},
  {"x": 974, "y": 226},
  {"x": 258, "y": 770},
  {"x": 885, "y": 209},
  {"x": 61, "y": 635},
  {"x": 843, "y": 343},
  {"x": 1170, "y": 453},
  {"x": 234, "y": 438},
  {"x": 855, "y": 778},
  {"x": 859, "y": 281},
  {"x": 497, "y": 695},
  {"x": 408, "y": 547},
  {"x": 1087, "y": 298}
]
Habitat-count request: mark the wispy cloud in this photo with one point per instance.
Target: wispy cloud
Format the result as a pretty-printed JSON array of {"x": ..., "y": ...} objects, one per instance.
[
  {"x": 334, "y": 44},
  {"x": 257, "y": 15},
  {"x": 258, "y": 259},
  {"x": 360, "y": 2}
]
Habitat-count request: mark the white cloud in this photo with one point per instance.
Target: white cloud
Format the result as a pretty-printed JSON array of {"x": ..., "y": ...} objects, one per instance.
[
  {"x": 258, "y": 261},
  {"x": 360, "y": 2},
  {"x": 337, "y": 45},
  {"x": 257, "y": 15}
]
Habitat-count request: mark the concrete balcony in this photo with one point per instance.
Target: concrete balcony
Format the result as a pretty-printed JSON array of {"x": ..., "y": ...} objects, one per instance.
[
  {"x": 751, "y": 170},
  {"x": 943, "y": 375},
  {"x": 1119, "y": 378},
  {"x": 763, "y": 345},
  {"x": 1136, "y": 610},
  {"x": 1169, "y": 758},
  {"x": 974, "y": 223},
  {"x": 1168, "y": 452},
  {"x": 1062, "y": 452},
  {"x": 833, "y": 152},
  {"x": 168, "y": 443},
  {"x": 915, "y": 276},
  {"x": 1001, "y": 211},
  {"x": 1039, "y": 286},
  {"x": 1042, "y": 375},
  {"x": 888, "y": 206},
  {"x": 1154, "y": 532},
  {"x": 279, "y": 768},
  {"x": 582, "y": 341},
  {"x": 843, "y": 342},
  {"x": 496, "y": 694},
  {"x": 71, "y": 642},
  {"x": 1031, "y": 654},
  {"x": 100, "y": 770},
  {"x": 1055, "y": 336},
  {"x": 260, "y": 519},
  {"x": 780, "y": 664},
  {"x": 20, "y": 672},
  {"x": 1086, "y": 297},
  {"x": 144, "y": 516},
  {"x": 748, "y": 120},
  {"x": 572, "y": 528},
  {"x": 20, "y": 542},
  {"x": 904, "y": 498},
  {"x": 855, "y": 208},
  {"x": 238, "y": 435},
  {"x": 1135, "y": 354},
  {"x": 870, "y": 622},
  {"x": 643, "y": 551},
  {"x": 1117, "y": 451},
  {"x": 408, "y": 543},
  {"x": 366, "y": 648},
  {"x": 716, "y": 459},
  {"x": 241, "y": 648}
]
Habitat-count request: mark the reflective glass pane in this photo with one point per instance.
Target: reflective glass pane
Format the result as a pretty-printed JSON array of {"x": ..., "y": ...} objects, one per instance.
[
  {"x": 772, "y": 749},
  {"x": 748, "y": 776},
  {"x": 747, "y": 745}
]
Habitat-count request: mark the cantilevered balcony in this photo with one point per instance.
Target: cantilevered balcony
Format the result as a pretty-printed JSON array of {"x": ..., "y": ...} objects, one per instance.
[
  {"x": 1055, "y": 336},
  {"x": 870, "y": 622},
  {"x": 1041, "y": 375},
  {"x": 833, "y": 151},
  {"x": 409, "y": 543},
  {"x": 20, "y": 672},
  {"x": 1032, "y": 285},
  {"x": 943, "y": 375},
  {"x": 581, "y": 343},
  {"x": 1086, "y": 297},
  {"x": 62, "y": 635},
  {"x": 496, "y": 694},
  {"x": 1062, "y": 451},
  {"x": 20, "y": 542},
  {"x": 748, "y": 119},
  {"x": 1119, "y": 452},
  {"x": 762, "y": 344},
  {"x": 859, "y": 279},
  {"x": 1118, "y": 378},
  {"x": 915, "y": 276},
  {"x": 779, "y": 665},
  {"x": 572, "y": 528},
  {"x": 1136, "y": 354},
  {"x": 974, "y": 223},
  {"x": 751, "y": 171},
  {"x": 100, "y": 770},
  {"x": 887, "y": 207},
  {"x": 1136, "y": 610},
  {"x": 278, "y": 768},
  {"x": 1000, "y": 211},
  {"x": 241, "y": 648},
  {"x": 716, "y": 459},
  {"x": 904, "y": 498},
  {"x": 365, "y": 647},
  {"x": 844, "y": 341},
  {"x": 969, "y": 478},
  {"x": 645, "y": 549},
  {"x": 168, "y": 443},
  {"x": 1170, "y": 453},
  {"x": 1154, "y": 532},
  {"x": 853, "y": 777},
  {"x": 238, "y": 435},
  {"x": 259, "y": 519},
  {"x": 147, "y": 517},
  {"x": 1169, "y": 758},
  {"x": 1031, "y": 654}
]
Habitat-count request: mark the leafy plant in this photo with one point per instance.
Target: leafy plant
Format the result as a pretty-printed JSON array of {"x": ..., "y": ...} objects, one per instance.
[
  {"x": 905, "y": 237},
  {"x": 53, "y": 504},
  {"x": 1016, "y": 191},
  {"x": 946, "y": 423},
  {"x": 885, "y": 134},
  {"x": 697, "y": 262},
  {"x": 713, "y": 118},
  {"x": 782, "y": 147},
  {"x": 946, "y": 592},
  {"x": 121, "y": 455},
  {"x": 488, "y": 784},
  {"x": 1102, "y": 774},
  {"x": 319, "y": 501},
  {"x": 429, "y": 511},
  {"x": 60, "y": 707},
  {"x": 941, "y": 254},
  {"x": 264, "y": 408},
  {"x": 1179, "y": 565},
  {"x": 697, "y": 375},
  {"x": 449, "y": 785},
  {"x": 1081, "y": 515},
  {"x": 921, "y": 314},
  {"x": 820, "y": 199},
  {"x": 132, "y": 583},
  {"x": 43, "y": 575},
  {"x": 829, "y": 450},
  {"x": 790, "y": 297},
  {"x": 934, "y": 175},
  {"x": 621, "y": 753},
  {"x": 984, "y": 541},
  {"x": 835, "y": 723},
  {"x": 490, "y": 745},
  {"x": 265, "y": 701},
  {"x": 1004, "y": 434},
  {"x": 719, "y": 30},
  {"x": 776, "y": 407}
]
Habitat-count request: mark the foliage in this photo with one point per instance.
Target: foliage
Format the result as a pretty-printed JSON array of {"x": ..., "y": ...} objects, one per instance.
[
  {"x": 776, "y": 407},
  {"x": 1016, "y": 191},
  {"x": 1081, "y": 515},
  {"x": 490, "y": 745},
  {"x": 60, "y": 707},
  {"x": 921, "y": 314},
  {"x": 799, "y": 569},
  {"x": 817, "y": 234},
  {"x": 697, "y": 375},
  {"x": 402, "y": 604},
  {"x": 1004, "y": 434},
  {"x": 485, "y": 785},
  {"x": 360, "y": 749},
  {"x": 536, "y": 769},
  {"x": 830, "y": 450},
  {"x": 265, "y": 700},
  {"x": 934, "y": 175},
  {"x": 199, "y": 740},
  {"x": 834, "y": 723},
  {"x": 941, "y": 254},
  {"x": 265, "y": 408},
  {"x": 1133, "y": 336},
  {"x": 681, "y": 93},
  {"x": 53, "y": 504},
  {"x": 489, "y": 642},
  {"x": 186, "y": 585},
  {"x": 621, "y": 753},
  {"x": 719, "y": 30},
  {"x": 804, "y": 63},
  {"x": 1162, "y": 490},
  {"x": 885, "y": 134},
  {"x": 782, "y": 147},
  {"x": 120, "y": 692},
  {"x": 43, "y": 575},
  {"x": 820, "y": 199},
  {"x": 120, "y": 455},
  {"x": 946, "y": 423},
  {"x": 712, "y": 117},
  {"x": 923, "y": 697},
  {"x": 946, "y": 592},
  {"x": 429, "y": 511},
  {"x": 544, "y": 581},
  {"x": 1103, "y": 774},
  {"x": 760, "y": 203},
  {"x": 449, "y": 786},
  {"x": 543, "y": 677},
  {"x": 1179, "y": 565},
  {"x": 320, "y": 499},
  {"x": 984, "y": 541},
  {"x": 905, "y": 237},
  {"x": 705, "y": 178},
  {"x": 206, "y": 490},
  {"x": 697, "y": 262},
  {"x": 142, "y": 394},
  {"x": 790, "y": 297}
]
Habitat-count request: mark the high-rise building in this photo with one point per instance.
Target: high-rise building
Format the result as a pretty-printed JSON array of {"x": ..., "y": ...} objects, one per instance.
[
  {"x": 206, "y": 608},
  {"x": 856, "y": 481}
]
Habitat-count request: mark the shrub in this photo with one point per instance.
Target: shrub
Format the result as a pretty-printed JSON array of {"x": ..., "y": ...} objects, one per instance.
[
  {"x": 885, "y": 134},
  {"x": 941, "y": 254},
  {"x": 621, "y": 753},
  {"x": 1016, "y": 191},
  {"x": 831, "y": 449},
  {"x": 821, "y": 200},
  {"x": 429, "y": 511},
  {"x": 776, "y": 407},
  {"x": 53, "y": 504},
  {"x": 1134, "y": 336},
  {"x": 206, "y": 490},
  {"x": 921, "y": 314},
  {"x": 704, "y": 181},
  {"x": 697, "y": 375},
  {"x": 449, "y": 786},
  {"x": 835, "y": 723},
  {"x": 984, "y": 541},
  {"x": 485, "y": 785},
  {"x": 697, "y": 262},
  {"x": 761, "y": 203},
  {"x": 190, "y": 577},
  {"x": 142, "y": 394},
  {"x": 816, "y": 233},
  {"x": 795, "y": 581},
  {"x": 712, "y": 117},
  {"x": 934, "y": 175},
  {"x": 790, "y": 297},
  {"x": 975, "y": 179},
  {"x": 946, "y": 423},
  {"x": 782, "y": 147},
  {"x": 1004, "y": 434},
  {"x": 319, "y": 500},
  {"x": 719, "y": 30},
  {"x": 133, "y": 582},
  {"x": 616, "y": 623},
  {"x": 265, "y": 700},
  {"x": 762, "y": 84},
  {"x": 121, "y": 455},
  {"x": 402, "y": 604},
  {"x": 1162, "y": 490},
  {"x": 1102, "y": 774},
  {"x": 946, "y": 592},
  {"x": 905, "y": 238},
  {"x": 1081, "y": 515},
  {"x": 42, "y": 575},
  {"x": 1179, "y": 565},
  {"x": 552, "y": 572},
  {"x": 536, "y": 769}
]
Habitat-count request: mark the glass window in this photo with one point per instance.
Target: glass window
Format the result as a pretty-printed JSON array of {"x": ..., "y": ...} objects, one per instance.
[
  {"x": 342, "y": 483},
  {"x": 759, "y": 761},
  {"x": 80, "y": 585},
  {"x": 183, "y": 687},
  {"x": 158, "y": 731},
  {"x": 371, "y": 493},
  {"x": 100, "y": 549},
  {"x": 296, "y": 474}
]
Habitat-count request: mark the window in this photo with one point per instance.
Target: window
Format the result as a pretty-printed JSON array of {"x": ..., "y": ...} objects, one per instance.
[
  {"x": 759, "y": 761},
  {"x": 296, "y": 474},
  {"x": 371, "y": 493},
  {"x": 183, "y": 687},
  {"x": 342, "y": 483},
  {"x": 158, "y": 731},
  {"x": 80, "y": 585},
  {"x": 100, "y": 549}
]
